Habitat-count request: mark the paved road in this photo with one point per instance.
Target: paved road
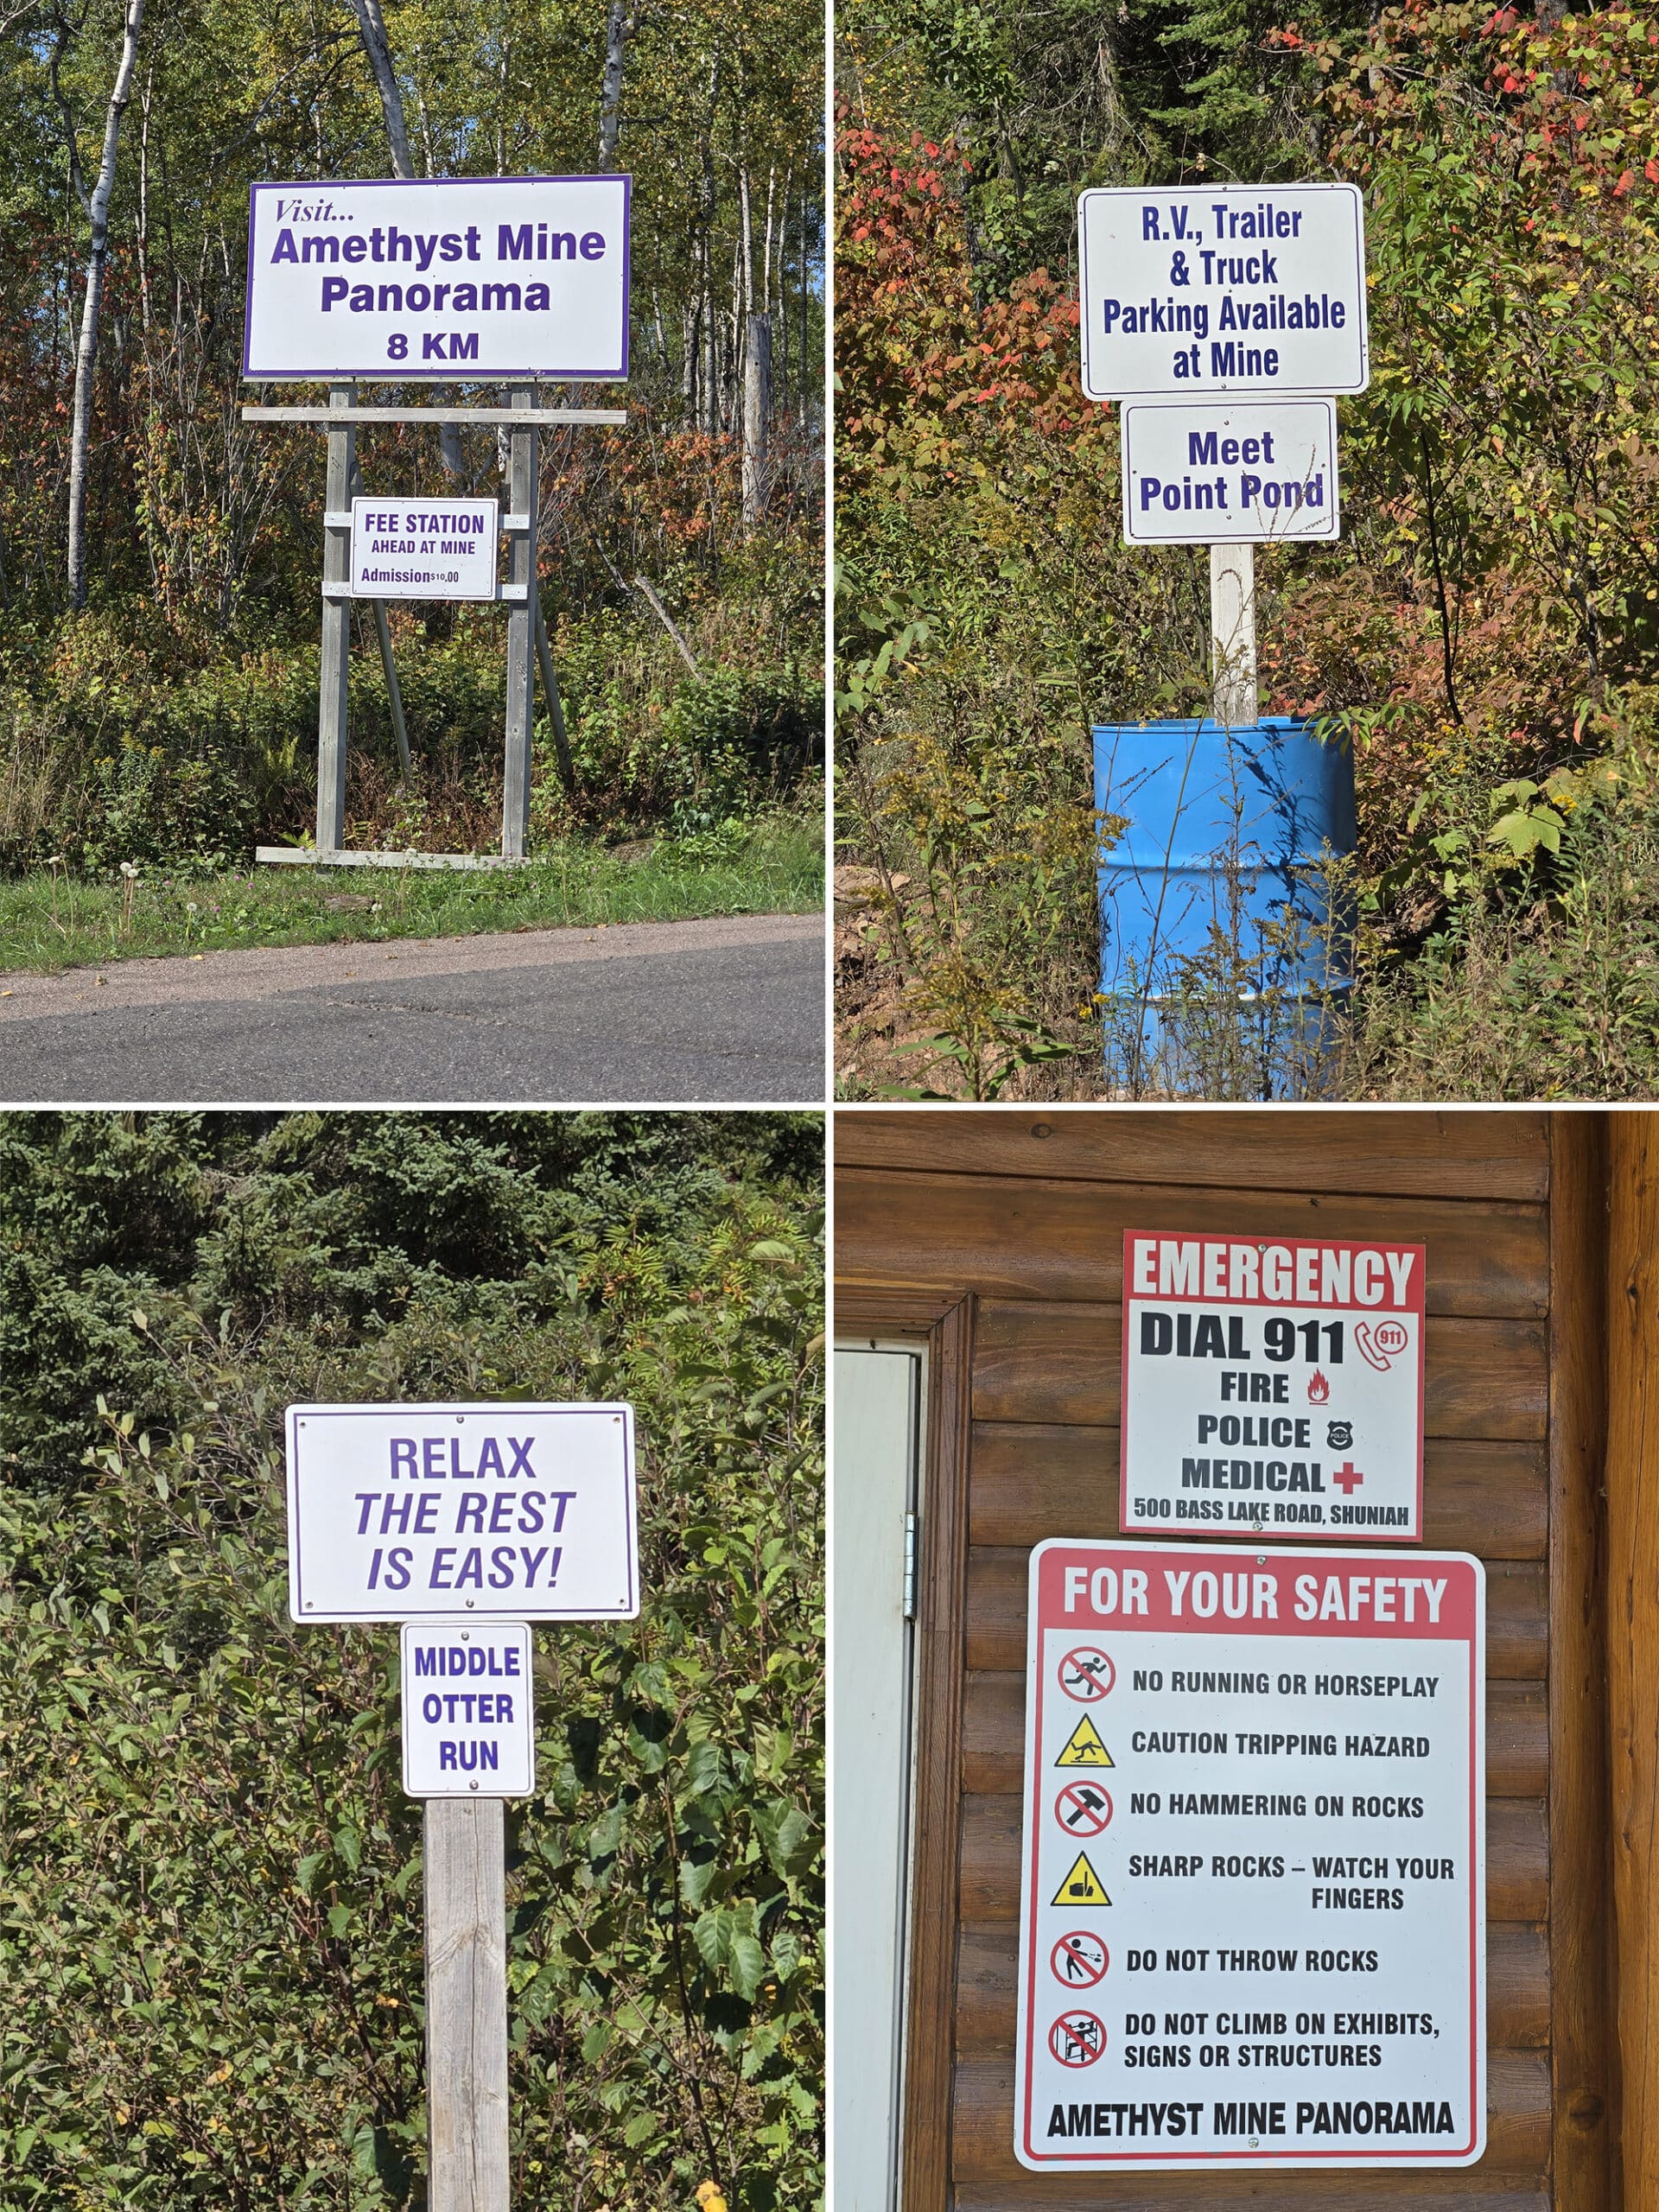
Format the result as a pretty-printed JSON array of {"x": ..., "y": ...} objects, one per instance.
[{"x": 731, "y": 1008}]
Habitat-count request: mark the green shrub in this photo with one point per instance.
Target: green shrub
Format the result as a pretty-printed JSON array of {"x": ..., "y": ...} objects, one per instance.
[{"x": 173, "y": 754}]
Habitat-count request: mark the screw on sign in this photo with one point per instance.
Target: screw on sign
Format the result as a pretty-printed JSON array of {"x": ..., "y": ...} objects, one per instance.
[
  {"x": 1079, "y": 1960},
  {"x": 1077, "y": 2039},
  {"x": 1087, "y": 1673},
  {"x": 1082, "y": 1809}
]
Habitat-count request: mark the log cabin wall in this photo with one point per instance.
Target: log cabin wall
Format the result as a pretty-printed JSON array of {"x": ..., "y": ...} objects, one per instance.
[{"x": 998, "y": 1235}]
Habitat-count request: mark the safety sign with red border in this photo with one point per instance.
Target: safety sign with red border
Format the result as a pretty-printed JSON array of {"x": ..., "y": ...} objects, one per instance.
[
  {"x": 1272, "y": 1387},
  {"x": 1272, "y": 1955}
]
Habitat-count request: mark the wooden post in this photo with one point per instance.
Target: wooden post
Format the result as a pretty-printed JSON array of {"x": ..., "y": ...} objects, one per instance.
[
  {"x": 466, "y": 2004},
  {"x": 1232, "y": 632},
  {"x": 336, "y": 635},
  {"x": 1581, "y": 2032},
  {"x": 521, "y": 474},
  {"x": 1632, "y": 1484},
  {"x": 389, "y": 666},
  {"x": 555, "y": 705},
  {"x": 757, "y": 417},
  {"x": 394, "y": 691}
]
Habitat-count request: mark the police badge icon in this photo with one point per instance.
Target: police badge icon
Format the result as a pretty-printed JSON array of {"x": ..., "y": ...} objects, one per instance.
[{"x": 1339, "y": 1435}]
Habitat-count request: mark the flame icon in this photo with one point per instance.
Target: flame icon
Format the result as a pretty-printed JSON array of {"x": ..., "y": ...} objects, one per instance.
[{"x": 1317, "y": 1388}]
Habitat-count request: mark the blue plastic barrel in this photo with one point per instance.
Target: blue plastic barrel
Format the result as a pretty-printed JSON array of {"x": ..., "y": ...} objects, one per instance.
[{"x": 1227, "y": 830}]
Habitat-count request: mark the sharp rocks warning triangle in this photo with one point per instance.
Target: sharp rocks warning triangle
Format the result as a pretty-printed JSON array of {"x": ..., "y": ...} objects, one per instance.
[
  {"x": 1081, "y": 1885},
  {"x": 1084, "y": 1747}
]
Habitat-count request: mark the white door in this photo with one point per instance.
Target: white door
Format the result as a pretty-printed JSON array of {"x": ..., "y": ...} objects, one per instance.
[{"x": 874, "y": 1498}]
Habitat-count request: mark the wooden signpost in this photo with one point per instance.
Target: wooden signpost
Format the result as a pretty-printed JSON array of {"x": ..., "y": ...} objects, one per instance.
[
  {"x": 519, "y": 281},
  {"x": 463, "y": 1523}
]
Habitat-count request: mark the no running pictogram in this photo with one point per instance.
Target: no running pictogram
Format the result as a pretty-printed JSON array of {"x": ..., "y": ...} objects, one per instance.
[{"x": 1087, "y": 1673}]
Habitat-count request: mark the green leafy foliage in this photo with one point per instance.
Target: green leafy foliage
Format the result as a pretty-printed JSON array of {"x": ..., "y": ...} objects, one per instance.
[
  {"x": 175, "y": 717},
  {"x": 210, "y": 1881},
  {"x": 1486, "y": 634}
]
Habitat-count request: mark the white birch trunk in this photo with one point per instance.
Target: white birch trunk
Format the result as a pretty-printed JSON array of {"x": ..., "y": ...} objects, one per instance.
[
  {"x": 371, "y": 30},
  {"x": 619, "y": 25},
  {"x": 86, "y": 351},
  {"x": 757, "y": 414}
]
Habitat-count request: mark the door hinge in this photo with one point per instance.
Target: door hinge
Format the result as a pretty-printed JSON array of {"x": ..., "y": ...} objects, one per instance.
[{"x": 910, "y": 1567}]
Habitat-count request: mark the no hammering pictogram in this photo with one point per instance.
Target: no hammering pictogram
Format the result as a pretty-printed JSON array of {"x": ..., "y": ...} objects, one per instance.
[
  {"x": 1077, "y": 2039},
  {"x": 1079, "y": 1960},
  {"x": 1087, "y": 1673},
  {"x": 1081, "y": 1809}
]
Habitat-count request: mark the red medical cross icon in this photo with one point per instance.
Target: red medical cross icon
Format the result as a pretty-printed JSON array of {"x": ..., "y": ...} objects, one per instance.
[{"x": 1347, "y": 1477}]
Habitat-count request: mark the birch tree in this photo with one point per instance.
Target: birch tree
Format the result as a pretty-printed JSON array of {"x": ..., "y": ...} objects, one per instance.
[
  {"x": 371, "y": 28},
  {"x": 96, "y": 209}
]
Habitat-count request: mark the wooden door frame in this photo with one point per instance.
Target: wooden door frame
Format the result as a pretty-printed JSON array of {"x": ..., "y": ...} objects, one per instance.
[
  {"x": 1584, "y": 2102},
  {"x": 944, "y": 1322}
]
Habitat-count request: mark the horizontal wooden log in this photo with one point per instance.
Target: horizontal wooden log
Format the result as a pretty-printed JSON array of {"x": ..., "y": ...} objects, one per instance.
[
  {"x": 1517, "y": 2126},
  {"x": 1393, "y": 1155},
  {"x": 515, "y": 419},
  {"x": 987, "y": 1970},
  {"x": 1006, "y": 1237},
  {"x": 1036, "y": 1362},
  {"x": 1518, "y": 1859},
  {"x": 1517, "y": 1622},
  {"x": 1026, "y": 1482},
  {"x": 993, "y": 1737}
]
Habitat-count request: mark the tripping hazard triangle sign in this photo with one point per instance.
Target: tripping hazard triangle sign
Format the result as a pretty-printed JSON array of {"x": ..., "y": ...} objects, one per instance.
[
  {"x": 1081, "y": 1886},
  {"x": 1084, "y": 1747}
]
